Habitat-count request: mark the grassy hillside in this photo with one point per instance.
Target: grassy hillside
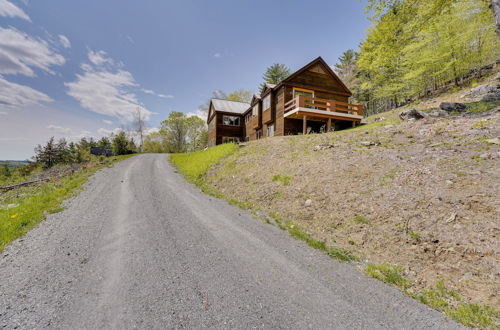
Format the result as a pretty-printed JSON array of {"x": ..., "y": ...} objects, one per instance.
[{"x": 415, "y": 202}]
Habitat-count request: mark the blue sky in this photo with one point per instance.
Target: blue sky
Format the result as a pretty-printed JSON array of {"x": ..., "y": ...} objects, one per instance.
[{"x": 83, "y": 68}]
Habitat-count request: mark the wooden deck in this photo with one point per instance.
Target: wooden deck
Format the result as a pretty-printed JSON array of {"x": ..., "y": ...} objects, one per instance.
[{"x": 311, "y": 108}]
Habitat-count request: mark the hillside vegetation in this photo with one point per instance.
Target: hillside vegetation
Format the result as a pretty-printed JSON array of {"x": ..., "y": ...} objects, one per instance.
[
  {"x": 22, "y": 208},
  {"x": 416, "y": 202},
  {"x": 416, "y": 48}
]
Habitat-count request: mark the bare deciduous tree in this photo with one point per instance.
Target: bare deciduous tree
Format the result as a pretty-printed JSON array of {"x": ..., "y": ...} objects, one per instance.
[{"x": 140, "y": 126}]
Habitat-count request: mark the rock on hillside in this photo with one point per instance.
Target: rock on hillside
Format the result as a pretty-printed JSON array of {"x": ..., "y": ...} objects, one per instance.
[{"x": 427, "y": 192}]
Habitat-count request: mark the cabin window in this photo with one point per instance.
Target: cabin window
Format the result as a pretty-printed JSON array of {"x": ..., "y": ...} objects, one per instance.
[
  {"x": 255, "y": 110},
  {"x": 270, "y": 130},
  {"x": 247, "y": 117},
  {"x": 231, "y": 120},
  {"x": 266, "y": 102},
  {"x": 230, "y": 139},
  {"x": 305, "y": 92}
]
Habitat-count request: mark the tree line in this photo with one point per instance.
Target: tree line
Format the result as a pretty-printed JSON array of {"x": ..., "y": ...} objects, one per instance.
[
  {"x": 61, "y": 152},
  {"x": 415, "y": 48}
]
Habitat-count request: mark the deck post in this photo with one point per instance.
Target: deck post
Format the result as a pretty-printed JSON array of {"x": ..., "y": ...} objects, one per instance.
[
  {"x": 304, "y": 125},
  {"x": 329, "y": 125}
]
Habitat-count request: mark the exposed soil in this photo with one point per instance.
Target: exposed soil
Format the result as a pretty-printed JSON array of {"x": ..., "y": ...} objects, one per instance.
[{"x": 423, "y": 195}]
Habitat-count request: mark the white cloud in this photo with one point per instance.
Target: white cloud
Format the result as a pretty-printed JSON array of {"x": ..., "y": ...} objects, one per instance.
[
  {"x": 15, "y": 95},
  {"x": 59, "y": 129},
  {"x": 64, "y": 41},
  {"x": 151, "y": 92},
  {"x": 199, "y": 114},
  {"x": 109, "y": 122},
  {"x": 99, "y": 57},
  {"x": 19, "y": 53},
  {"x": 108, "y": 132},
  {"x": 217, "y": 55},
  {"x": 132, "y": 41},
  {"x": 148, "y": 91},
  {"x": 3, "y": 113},
  {"x": 8, "y": 9},
  {"x": 106, "y": 91}
]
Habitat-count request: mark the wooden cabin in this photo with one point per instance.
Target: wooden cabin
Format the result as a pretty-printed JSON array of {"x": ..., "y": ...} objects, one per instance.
[
  {"x": 225, "y": 121},
  {"x": 311, "y": 100}
]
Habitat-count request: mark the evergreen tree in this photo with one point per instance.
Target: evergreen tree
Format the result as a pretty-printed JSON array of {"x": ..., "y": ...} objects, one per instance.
[
  {"x": 275, "y": 74},
  {"x": 120, "y": 144},
  {"x": 104, "y": 143}
]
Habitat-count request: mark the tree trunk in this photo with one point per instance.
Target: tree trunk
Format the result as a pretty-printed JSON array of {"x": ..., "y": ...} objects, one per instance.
[{"x": 495, "y": 7}]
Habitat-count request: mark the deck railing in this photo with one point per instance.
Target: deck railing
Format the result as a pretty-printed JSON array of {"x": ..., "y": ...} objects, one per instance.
[{"x": 303, "y": 101}]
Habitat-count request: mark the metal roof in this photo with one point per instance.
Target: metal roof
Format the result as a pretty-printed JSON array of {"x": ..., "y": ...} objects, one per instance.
[{"x": 230, "y": 106}]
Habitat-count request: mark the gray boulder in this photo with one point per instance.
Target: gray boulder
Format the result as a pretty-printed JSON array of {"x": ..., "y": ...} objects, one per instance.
[
  {"x": 489, "y": 92},
  {"x": 412, "y": 114},
  {"x": 436, "y": 113},
  {"x": 453, "y": 107}
]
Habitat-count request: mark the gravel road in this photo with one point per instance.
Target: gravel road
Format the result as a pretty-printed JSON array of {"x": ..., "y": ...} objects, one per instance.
[{"x": 140, "y": 248}]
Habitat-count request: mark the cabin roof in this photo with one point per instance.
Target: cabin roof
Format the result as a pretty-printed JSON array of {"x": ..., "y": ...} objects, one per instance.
[{"x": 230, "y": 106}]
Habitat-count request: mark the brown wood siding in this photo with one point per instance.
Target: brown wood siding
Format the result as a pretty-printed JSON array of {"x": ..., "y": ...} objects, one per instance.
[
  {"x": 267, "y": 116},
  {"x": 317, "y": 80},
  {"x": 280, "y": 111}
]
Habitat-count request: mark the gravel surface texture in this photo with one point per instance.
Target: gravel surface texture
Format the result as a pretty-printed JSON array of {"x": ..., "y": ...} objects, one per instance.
[{"x": 141, "y": 248}]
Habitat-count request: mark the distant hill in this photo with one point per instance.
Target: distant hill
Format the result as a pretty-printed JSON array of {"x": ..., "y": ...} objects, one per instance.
[{"x": 14, "y": 163}]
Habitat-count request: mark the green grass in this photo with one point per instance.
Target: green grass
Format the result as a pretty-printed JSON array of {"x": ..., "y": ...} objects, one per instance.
[
  {"x": 284, "y": 179},
  {"x": 450, "y": 302},
  {"x": 194, "y": 165},
  {"x": 332, "y": 251},
  {"x": 388, "y": 273},
  {"x": 439, "y": 297},
  {"x": 37, "y": 202},
  {"x": 360, "y": 219},
  {"x": 481, "y": 106}
]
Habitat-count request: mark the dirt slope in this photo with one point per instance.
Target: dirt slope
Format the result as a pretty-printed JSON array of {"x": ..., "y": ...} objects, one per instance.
[{"x": 424, "y": 195}]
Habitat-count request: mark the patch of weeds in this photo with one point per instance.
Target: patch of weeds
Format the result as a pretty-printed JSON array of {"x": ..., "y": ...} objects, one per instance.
[
  {"x": 360, "y": 219},
  {"x": 482, "y": 124},
  {"x": 56, "y": 210},
  {"x": 414, "y": 235},
  {"x": 388, "y": 274},
  {"x": 471, "y": 315},
  {"x": 246, "y": 180},
  {"x": 278, "y": 195},
  {"x": 278, "y": 219},
  {"x": 481, "y": 106},
  {"x": 240, "y": 204},
  {"x": 334, "y": 252},
  {"x": 388, "y": 177},
  {"x": 284, "y": 179}
]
